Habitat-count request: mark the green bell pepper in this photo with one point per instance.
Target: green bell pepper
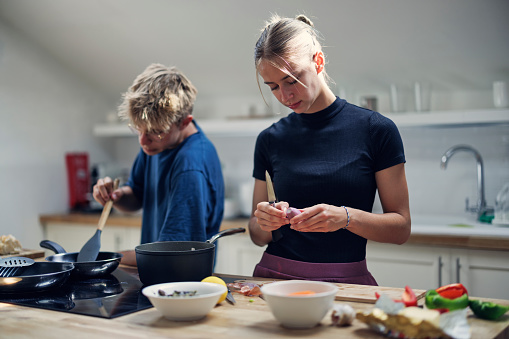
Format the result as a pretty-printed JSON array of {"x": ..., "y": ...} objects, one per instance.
[
  {"x": 434, "y": 300},
  {"x": 487, "y": 310}
]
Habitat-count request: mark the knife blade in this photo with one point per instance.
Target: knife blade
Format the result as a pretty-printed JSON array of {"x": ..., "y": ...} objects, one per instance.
[
  {"x": 276, "y": 235},
  {"x": 270, "y": 189},
  {"x": 230, "y": 298}
]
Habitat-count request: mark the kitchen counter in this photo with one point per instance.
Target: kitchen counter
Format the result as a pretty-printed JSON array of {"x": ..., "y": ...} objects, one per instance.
[
  {"x": 115, "y": 219},
  {"x": 439, "y": 231},
  {"x": 249, "y": 318}
]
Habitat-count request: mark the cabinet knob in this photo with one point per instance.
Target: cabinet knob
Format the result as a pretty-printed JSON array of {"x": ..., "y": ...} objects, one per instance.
[{"x": 458, "y": 267}]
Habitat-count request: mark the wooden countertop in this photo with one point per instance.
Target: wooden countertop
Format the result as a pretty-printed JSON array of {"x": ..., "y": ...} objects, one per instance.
[
  {"x": 461, "y": 241},
  {"x": 116, "y": 219},
  {"x": 249, "y": 318},
  {"x": 473, "y": 241}
]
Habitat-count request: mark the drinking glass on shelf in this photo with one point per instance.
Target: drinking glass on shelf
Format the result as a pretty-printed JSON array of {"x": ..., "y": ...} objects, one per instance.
[
  {"x": 500, "y": 94},
  {"x": 397, "y": 98},
  {"x": 422, "y": 95}
]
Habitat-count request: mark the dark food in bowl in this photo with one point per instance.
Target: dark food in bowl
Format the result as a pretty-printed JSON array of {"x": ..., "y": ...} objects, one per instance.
[{"x": 179, "y": 294}]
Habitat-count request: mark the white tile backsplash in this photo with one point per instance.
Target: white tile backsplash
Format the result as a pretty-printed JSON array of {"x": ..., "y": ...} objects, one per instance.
[{"x": 433, "y": 191}]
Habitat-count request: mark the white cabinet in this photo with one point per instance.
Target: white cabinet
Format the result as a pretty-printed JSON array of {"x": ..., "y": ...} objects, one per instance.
[
  {"x": 237, "y": 254},
  {"x": 72, "y": 237},
  {"x": 484, "y": 273},
  {"x": 396, "y": 266}
]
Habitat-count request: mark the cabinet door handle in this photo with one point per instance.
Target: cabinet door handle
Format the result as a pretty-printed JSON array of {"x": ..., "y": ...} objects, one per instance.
[
  {"x": 440, "y": 264},
  {"x": 458, "y": 267},
  {"x": 118, "y": 241}
]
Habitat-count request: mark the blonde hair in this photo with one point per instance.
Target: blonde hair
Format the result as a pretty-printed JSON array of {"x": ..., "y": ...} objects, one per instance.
[
  {"x": 158, "y": 98},
  {"x": 285, "y": 42}
]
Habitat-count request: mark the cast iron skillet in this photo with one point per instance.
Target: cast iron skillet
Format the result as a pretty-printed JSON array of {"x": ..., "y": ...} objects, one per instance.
[
  {"x": 106, "y": 262},
  {"x": 39, "y": 276}
]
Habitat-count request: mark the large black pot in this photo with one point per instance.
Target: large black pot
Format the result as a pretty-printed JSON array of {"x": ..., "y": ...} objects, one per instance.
[
  {"x": 106, "y": 262},
  {"x": 172, "y": 261}
]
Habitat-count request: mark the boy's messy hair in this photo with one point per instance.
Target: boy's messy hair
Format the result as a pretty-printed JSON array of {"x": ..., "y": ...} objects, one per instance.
[{"x": 158, "y": 98}]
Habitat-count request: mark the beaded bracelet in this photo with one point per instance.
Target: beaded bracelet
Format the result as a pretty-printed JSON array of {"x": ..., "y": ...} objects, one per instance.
[{"x": 347, "y": 218}]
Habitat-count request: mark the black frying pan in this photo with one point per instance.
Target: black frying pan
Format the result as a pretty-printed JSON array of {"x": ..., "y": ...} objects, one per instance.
[
  {"x": 106, "y": 262},
  {"x": 39, "y": 276}
]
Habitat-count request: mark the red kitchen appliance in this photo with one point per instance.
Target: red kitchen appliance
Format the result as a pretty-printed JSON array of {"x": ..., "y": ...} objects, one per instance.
[{"x": 78, "y": 179}]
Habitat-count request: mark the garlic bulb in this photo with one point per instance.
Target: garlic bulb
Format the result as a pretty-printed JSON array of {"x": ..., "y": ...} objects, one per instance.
[{"x": 342, "y": 315}]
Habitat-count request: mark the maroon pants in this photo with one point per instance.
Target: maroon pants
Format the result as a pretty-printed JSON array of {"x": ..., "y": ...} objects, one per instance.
[{"x": 271, "y": 266}]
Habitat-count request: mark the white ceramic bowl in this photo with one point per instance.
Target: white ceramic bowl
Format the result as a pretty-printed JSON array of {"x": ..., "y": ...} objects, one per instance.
[
  {"x": 186, "y": 308},
  {"x": 302, "y": 311}
]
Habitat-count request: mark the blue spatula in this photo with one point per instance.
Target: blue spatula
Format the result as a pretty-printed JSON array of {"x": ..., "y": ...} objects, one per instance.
[{"x": 90, "y": 250}]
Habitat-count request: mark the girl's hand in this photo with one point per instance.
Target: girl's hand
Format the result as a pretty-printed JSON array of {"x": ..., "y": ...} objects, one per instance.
[
  {"x": 319, "y": 218},
  {"x": 270, "y": 217}
]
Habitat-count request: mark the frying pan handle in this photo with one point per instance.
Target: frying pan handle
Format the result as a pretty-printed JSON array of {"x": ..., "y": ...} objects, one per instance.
[
  {"x": 51, "y": 245},
  {"x": 229, "y": 231}
]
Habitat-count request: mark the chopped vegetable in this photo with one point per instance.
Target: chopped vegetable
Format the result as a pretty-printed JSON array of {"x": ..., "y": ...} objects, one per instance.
[
  {"x": 434, "y": 300},
  {"x": 177, "y": 293},
  {"x": 408, "y": 297},
  {"x": 452, "y": 291},
  {"x": 487, "y": 310},
  {"x": 248, "y": 289},
  {"x": 302, "y": 293}
]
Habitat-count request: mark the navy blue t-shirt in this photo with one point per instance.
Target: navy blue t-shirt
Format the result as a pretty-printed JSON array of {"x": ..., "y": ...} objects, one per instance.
[
  {"x": 327, "y": 157},
  {"x": 182, "y": 191}
]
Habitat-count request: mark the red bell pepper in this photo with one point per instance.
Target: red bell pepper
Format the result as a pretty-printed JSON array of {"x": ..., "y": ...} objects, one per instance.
[
  {"x": 408, "y": 297},
  {"x": 452, "y": 291}
]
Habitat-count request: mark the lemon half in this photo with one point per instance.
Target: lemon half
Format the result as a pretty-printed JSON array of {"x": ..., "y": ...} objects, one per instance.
[{"x": 216, "y": 280}]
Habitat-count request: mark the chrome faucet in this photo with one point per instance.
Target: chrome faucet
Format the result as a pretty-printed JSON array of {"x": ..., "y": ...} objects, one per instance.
[{"x": 480, "y": 208}]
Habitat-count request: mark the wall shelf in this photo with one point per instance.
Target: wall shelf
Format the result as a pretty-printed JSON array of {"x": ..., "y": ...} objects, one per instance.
[
  {"x": 251, "y": 127},
  {"x": 450, "y": 118}
]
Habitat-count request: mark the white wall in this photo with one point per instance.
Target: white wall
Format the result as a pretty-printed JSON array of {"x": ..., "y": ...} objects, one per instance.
[{"x": 45, "y": 111}]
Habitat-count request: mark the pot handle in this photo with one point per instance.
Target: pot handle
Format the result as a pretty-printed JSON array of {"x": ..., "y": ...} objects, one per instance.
[
  {"x": 229, "y": 231},
  {"x": 51, "y": 245}
]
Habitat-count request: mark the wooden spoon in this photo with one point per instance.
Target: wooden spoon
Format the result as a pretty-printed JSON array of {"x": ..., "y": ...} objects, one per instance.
[{"x": 90, "y": 250}]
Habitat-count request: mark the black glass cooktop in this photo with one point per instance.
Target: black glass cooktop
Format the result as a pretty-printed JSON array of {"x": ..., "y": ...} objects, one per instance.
[{"x": 112, "y": 296}]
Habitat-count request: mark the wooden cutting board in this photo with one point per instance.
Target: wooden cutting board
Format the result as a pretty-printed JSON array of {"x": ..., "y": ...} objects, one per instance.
[
  {"x": 357, "y": 293},
  {"x": 364, "y": 293},
  {"x": 34, "y": 254}
]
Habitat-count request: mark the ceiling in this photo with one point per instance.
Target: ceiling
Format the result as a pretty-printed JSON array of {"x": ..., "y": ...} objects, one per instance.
[{"x": 456, "y": 44}]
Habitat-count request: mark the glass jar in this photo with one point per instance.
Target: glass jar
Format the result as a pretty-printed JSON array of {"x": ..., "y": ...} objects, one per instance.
[{"x": 502, "y": 206}]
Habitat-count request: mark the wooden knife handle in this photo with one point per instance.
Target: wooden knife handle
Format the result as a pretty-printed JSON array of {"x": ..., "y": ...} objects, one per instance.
[{"x": 107, "y": 208}]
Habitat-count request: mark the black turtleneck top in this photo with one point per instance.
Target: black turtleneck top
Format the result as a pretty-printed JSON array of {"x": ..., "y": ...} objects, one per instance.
[{"x": 330, "y": 157}]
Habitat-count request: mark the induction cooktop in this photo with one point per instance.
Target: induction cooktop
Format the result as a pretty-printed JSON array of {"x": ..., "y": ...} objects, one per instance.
[{"x": 111, "y": 296}]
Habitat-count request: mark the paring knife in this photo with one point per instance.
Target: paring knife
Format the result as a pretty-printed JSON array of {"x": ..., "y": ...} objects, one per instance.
[
  {"x": 230, "y": 298},
  {"x": 276, "y": 235}
]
